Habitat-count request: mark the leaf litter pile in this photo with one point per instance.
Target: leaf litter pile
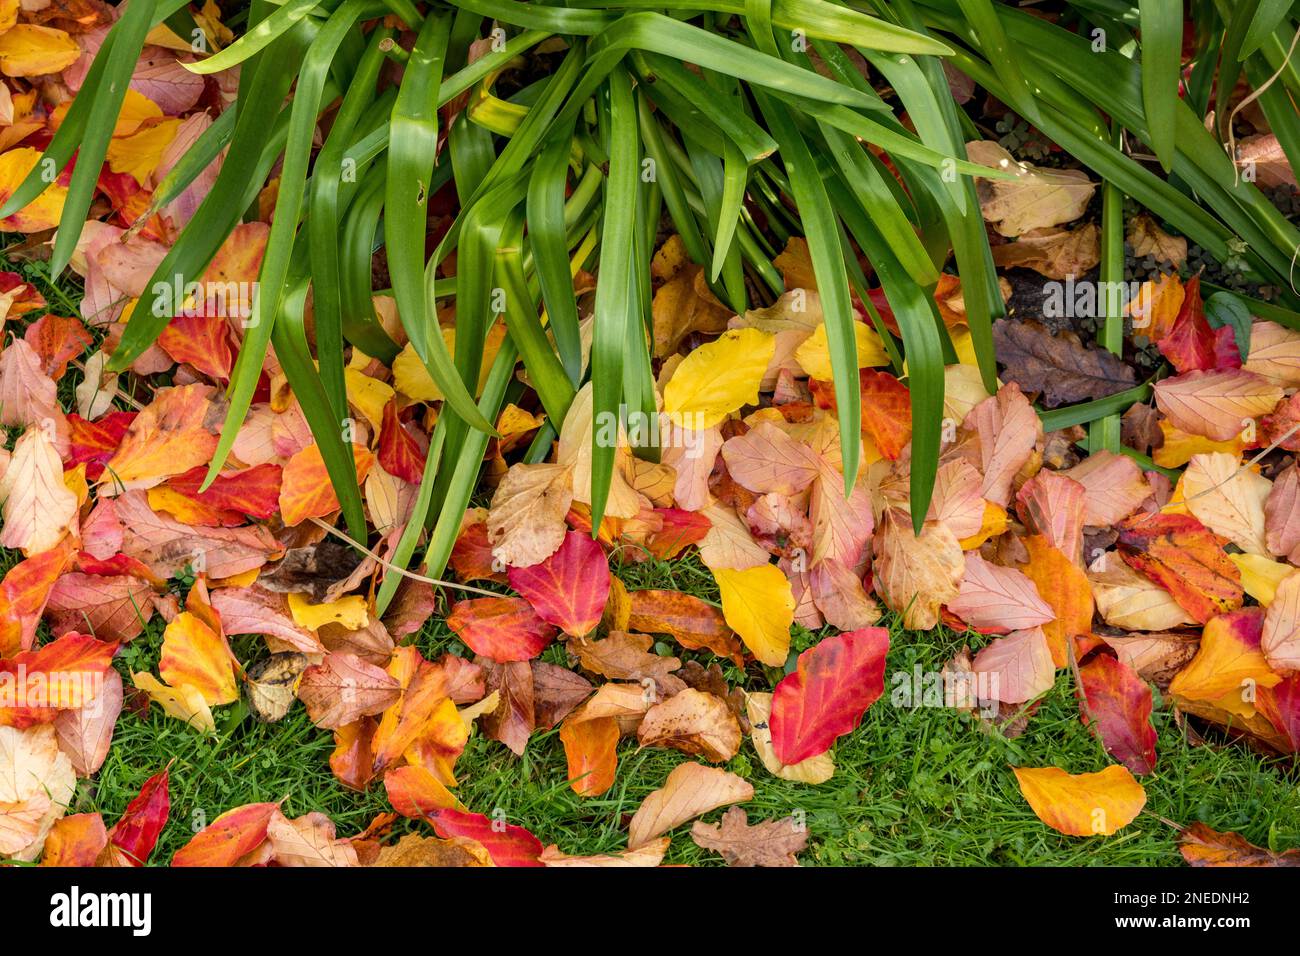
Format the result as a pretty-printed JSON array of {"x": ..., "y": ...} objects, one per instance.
[{"x": 1170, "y": 567}]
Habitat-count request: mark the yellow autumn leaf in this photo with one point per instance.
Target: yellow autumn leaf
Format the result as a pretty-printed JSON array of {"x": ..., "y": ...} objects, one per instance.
[
  {"x": 758, "y": 604},
  {"x": 41, "y": 213},
  {"x": 1179, "y": 447},
  {"x": 186, "y": 704},
  {"x": 350, "y": 612},
  {"x": 1260, "y": 576},
  {"x": 1084, "y": 804},
  {"x": 30, "y": 50},
  {"x": 814, "y": 353},
  {"x": 368, "y": 395},
  {"x": 195, "y": 656},
  {"x": 140, "y": 153},
  {"x": 718, "y": 378},
  {"x": 412, "y": 379},
  {"x": 137, "y": 109}
]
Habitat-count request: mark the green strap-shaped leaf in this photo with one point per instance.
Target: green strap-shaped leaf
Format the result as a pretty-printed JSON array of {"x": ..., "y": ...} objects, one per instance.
[
  {"x": 614, "y": 312},
  {"x": 823, "y": 235},
  {"x": 280, "y": 22},
  {"x": 412, "y": 144},
  {"x": 1162, "y": 44}
]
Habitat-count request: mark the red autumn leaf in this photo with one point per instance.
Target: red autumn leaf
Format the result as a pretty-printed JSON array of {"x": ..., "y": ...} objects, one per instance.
[
  {"x": 508, "y": 845},
  {"x": 228, "y": 838},
  {"x": 233, "y": 497},
  {"x": 680, "y": 529},
  {"x": 64, "y": 674},
  {"x": 199, "y": 340},
  {"x": 136, "y": 833},
  {"x": 57, "y": 340},
  {"x": 886, "y": 411},
  {"x": 1185, "y": 558},
  {"x": 399, "y": 453},
  {"x": 1120, "y": 702},
  {"x": 1192, "y": 345},
  {"x": 569, "y": 589},
  {"x": 471, "y": 555},
  {"x": 502, "y": 629},
  {"x": 26, "y": 296},
  {"x": 175, "y": 432},
  {"x": 833, "y": 685},
  {"x": 1281, "y": 705},
  {"x": 1281, "y": 427},
  {"x": 95, "y": 442},
  {"x": 116, "y": 607},
  {"x": 118, "y": 564}
]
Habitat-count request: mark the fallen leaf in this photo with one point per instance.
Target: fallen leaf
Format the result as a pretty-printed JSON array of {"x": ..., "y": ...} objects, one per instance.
[
  {"x": 1061, "y": 367},
  {"x": 694, "y": 723},
  {"x": 718, "y": 378},
  {"x": 1019, "y": 667},
  {"x": 757, "y": 604},
  {"x": 833, "y": 684},
  {"x": 691, "y": 790},
  {"x": 570, "y": 587},
  {"x": 1185, "y": 558},
  {"x": 1202, "y": 846},
  {"x": 1086, "y": 804},
  {"x": 993, "y": 596},
  {"x": 39, "y": 509},
  {"x": 770, "y": 843},
  {"x": 228, "y": 839},
  {"x": 500, "y": 628},
  {"x": 1120, "y": 702},
  {"x": 1215, "y": 403},
  {"x": 1064, "y": 587},
  {"x": 1037, "y": 197},
  {"x": 914, "y": 575}
]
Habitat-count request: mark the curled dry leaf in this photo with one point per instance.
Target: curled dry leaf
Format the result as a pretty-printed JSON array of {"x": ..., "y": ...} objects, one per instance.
[
  {"x": 1132, "y": 601},
  {"x": 694, "y": 723},
  {"x": 1201, "y": 845},
  {"x": 691, "y": 790},
  {"x": 1034, "y": 199},
  {"x": 651, "y": 854}
]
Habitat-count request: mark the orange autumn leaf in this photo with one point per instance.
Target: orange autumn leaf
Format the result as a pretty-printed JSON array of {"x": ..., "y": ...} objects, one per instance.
[
  {"x": 589, "y": 747},
  {"x": 305, "y": 489},
  {"x": 200, "y": 340},
  {"x": 75, "y": 840},
  {"x": 1201, "y": 845},
  {"x": 1229, "y": 664},
  {"x": 1085, "y": 804},
  {"x": 174, "y": 433},
  {"x": 1186, "y": 559},
  {"x": 886, "y": 409},
  {"x": 194, "y": 655},
  {"x": 228, "y": 839},
  {"x": 1063, "y": 585},
  {"x": 415, "y": 792},
  {"x": 23, "y": 593}
]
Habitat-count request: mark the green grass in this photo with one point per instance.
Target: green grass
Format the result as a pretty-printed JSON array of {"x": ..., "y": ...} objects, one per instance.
[{"x": 912, "y": 787}]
